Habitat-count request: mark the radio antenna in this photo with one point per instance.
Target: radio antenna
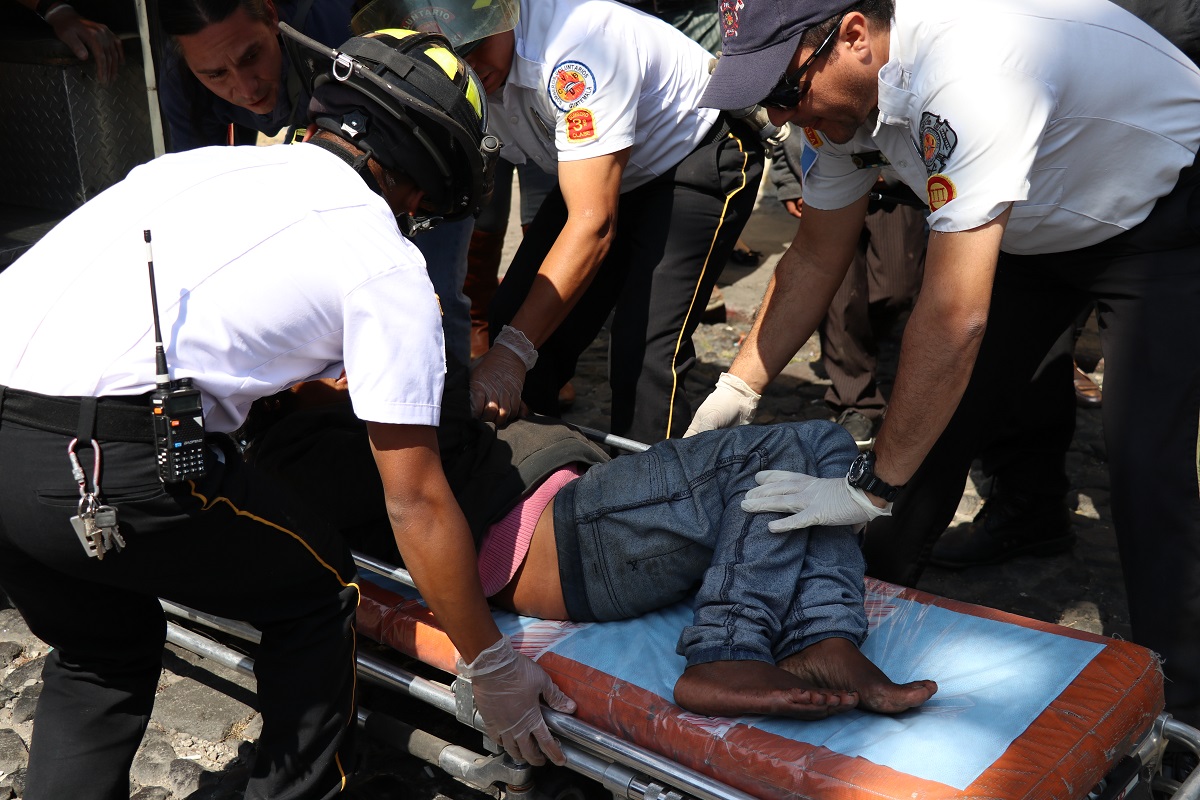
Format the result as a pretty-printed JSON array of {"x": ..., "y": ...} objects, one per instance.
[{"x": 160, "y": 354}]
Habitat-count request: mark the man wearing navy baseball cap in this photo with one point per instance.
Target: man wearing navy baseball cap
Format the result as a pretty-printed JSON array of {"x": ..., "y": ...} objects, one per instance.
[
  {"x": 759, "y": 39},
  {"x": 1049, "y": 188}
]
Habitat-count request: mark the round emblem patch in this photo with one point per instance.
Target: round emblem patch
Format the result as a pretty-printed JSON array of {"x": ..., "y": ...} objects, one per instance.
[
  {"x": 571, "y": 83},
  {"x": 941, "y": 191}
]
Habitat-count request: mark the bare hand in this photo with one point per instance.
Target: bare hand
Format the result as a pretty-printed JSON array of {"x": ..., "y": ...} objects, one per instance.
[
  {"x": 794, "y": 207},
  {"x": 84, "y": 36}
]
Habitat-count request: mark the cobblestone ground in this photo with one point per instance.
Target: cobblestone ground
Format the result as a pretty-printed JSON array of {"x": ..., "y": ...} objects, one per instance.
[{"x": 199, "y": 742}]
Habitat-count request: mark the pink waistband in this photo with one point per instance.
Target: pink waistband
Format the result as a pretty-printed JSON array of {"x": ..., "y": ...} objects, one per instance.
[{"x": 506, "y": 542}]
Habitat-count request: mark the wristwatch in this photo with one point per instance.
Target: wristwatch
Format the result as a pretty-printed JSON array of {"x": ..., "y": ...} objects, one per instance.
[{"x": 862, "y": 476}]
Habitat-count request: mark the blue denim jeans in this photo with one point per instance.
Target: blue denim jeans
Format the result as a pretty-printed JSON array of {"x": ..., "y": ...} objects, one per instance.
[
  {"x": 644, "y": 531},
  {"x": 445, "y": 251}
]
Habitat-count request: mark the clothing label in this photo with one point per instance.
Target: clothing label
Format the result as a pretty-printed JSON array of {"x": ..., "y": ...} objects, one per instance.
[
  {"x": 581, "y": 125},
  {"x": 571, "y": 82},
  {"x": 813, "y": 137},
  {"x": 941, "y": 191}
]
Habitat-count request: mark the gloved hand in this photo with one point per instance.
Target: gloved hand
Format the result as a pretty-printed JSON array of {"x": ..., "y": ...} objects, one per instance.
[
  {"x": 507, "y": 686},
  {"x": 815, "y": 501},
  {"x": 732, "y": 403},
  {"x": 499, "y": 377}
]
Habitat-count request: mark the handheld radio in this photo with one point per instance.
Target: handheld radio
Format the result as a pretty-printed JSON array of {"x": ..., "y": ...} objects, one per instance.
[{"x": 176, "y": 408}]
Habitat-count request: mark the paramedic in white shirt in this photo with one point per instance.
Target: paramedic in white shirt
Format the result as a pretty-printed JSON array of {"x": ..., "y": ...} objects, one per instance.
[
  {"x": 653, "y": 192},
  {"x": 1055, "y": 178},
  {"x": 274, "y": 265}
]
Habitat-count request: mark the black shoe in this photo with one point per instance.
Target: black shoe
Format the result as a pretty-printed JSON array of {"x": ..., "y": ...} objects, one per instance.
[
  {"x": 1004, "y": 528},
  {"x": 861, "y": 427}
]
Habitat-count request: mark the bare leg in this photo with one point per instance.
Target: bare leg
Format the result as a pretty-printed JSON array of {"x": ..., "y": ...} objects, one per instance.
[
  {"x": 837, "y": 663},
  {"x": 736, "y": 688}
]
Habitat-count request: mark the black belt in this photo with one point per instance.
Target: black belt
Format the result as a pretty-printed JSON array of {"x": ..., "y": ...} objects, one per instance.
[
  {"x": 113, "y": 419},
  {"x": 719, "y": 130}
]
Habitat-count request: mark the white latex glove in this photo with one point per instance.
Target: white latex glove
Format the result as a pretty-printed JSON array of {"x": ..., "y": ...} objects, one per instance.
[
  {"x": 814, "y": 501},
  {"x": 507, "y": 686},
  {"x": 732, "y": 403},
  {"x": 499, "y": 377}
]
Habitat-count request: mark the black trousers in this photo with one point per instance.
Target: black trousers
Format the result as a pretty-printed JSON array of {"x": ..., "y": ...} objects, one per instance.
[
  {"x": 1146, "y": 286},
  {"x": 881, "y": 284},
  {"x": 233, "y": 544},
  {"x": 674, "y": 235}
]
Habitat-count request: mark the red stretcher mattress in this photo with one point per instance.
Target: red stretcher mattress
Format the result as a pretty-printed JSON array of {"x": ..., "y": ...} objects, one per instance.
[{"x": 1025, "y": 709}]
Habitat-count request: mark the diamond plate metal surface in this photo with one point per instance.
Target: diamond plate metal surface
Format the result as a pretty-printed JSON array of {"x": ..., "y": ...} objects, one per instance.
[{"x": 65, "y": 136}]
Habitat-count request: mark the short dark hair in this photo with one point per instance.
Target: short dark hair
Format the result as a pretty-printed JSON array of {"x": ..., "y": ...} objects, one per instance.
[
  {"x": 880, "y": 11},
  {"x": 186, "y": 17}
]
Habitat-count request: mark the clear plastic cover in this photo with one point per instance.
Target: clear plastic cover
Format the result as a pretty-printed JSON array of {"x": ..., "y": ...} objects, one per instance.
[{"x": 460, "y": 21}]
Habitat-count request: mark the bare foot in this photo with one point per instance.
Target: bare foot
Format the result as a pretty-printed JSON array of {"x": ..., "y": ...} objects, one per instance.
[
  {"x": 736, "y": 688},
  {"x": 838, "y": 664}
]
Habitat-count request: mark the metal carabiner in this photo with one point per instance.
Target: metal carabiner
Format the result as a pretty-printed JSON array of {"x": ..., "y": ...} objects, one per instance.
[
  {"x": 77, "y": 472},
  {"x": 347, "y": 62}
]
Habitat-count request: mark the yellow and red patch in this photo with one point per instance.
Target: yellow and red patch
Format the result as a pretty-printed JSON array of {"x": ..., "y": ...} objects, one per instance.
[
  {"x": 581, "y": 125},
  {"x": 941, "y": 191},
  {"x": 813, "y": 138}
]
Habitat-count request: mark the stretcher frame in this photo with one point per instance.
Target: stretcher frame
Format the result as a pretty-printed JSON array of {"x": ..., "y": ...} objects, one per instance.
[
  {"x": 627, "y": 771},
  {"x": 624, "y": 769}
]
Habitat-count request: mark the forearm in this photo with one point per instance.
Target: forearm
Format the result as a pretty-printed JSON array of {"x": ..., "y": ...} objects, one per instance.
[
  {"x": 563, "y": 277},
  {"x": 937, "y": 356},
  {"x": 798, "y": 296},
  {"x": 444, "y": 568},
  {"x": 941, "y": 342}
]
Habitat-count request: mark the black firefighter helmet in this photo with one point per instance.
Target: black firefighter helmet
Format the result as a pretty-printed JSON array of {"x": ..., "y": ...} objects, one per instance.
[{"x": 407, "y": 100}]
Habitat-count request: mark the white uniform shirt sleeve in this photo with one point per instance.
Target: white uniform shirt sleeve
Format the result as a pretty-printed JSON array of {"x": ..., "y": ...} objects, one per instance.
[
  {"x": 394, "y": 353},
  {"x": 594, "y": 88},
  {"x": 833, "y": 180},
  {"x": 992, "y": 127}
]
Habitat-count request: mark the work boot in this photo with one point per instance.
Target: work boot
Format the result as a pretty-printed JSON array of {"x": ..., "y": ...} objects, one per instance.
[
  {"x": 860, "y": 426},
  {"x": 1007, "y": 526},
  {"x": 483, "y": 266}
]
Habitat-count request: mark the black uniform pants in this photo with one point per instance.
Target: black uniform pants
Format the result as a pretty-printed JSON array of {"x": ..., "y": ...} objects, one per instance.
[
  {"x": 674, "y": 235},
  {"x": 1146, "y": 286},
  {"x": 232, "y": 544},
  {"x": 881, "y": 283}
]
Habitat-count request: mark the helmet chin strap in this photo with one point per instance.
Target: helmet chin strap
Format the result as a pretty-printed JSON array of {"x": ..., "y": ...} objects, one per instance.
[
  {"x": 410, "y": 226},
  {"x": 357, "y": 163}
]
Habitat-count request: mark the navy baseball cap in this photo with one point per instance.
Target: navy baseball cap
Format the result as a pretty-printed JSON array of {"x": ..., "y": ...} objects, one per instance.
[{"x": 758, "y": 39}]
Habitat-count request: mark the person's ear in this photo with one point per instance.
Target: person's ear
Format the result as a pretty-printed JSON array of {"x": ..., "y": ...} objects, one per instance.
[
  {"x": 272, "y": 14},
  {"x": 856, "y": 32}
]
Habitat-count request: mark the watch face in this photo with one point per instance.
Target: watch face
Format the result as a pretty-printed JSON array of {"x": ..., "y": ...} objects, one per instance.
[{"x": 859, "y": 470}]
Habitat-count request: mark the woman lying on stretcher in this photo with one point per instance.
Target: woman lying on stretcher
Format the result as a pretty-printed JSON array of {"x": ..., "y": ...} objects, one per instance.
[{"x": 566, "y": 533}]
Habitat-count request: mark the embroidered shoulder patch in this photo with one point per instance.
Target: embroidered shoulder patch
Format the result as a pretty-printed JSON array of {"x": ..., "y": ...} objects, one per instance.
[
  {"x": 938, "y": 141},
  {"x": 941, "y": 191},
  {"x": 730, "y": 11},
  {"x": 571, "y": 82},
  {"x": 581, "y": 125},
  {"x": 813, "y": 137}
]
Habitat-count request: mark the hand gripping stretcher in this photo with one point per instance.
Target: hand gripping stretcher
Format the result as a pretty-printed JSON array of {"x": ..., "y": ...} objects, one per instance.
[{"x": 1025, "y": 709}]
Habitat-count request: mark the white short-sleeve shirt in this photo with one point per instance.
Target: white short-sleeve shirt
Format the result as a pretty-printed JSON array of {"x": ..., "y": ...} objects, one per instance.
[
  {"x": 1077, "y": 113},
  {"x": 594, "y": 77},
  {"x": 273, "y": 265}
]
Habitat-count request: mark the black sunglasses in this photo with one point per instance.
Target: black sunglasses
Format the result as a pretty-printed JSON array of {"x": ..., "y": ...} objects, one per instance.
[{"x": 789, "y": 92}]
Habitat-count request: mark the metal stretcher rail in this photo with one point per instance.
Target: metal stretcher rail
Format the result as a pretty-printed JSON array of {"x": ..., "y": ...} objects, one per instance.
[
  {"x": 633, "y": 772},
  {"x": 626, "y": 770}
]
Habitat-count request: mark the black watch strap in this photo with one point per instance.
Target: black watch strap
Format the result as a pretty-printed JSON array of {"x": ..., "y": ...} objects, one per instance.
[{"x": 862, "y": 476}]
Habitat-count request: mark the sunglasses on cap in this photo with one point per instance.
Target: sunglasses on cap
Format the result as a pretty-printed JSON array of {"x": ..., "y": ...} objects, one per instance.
[{"x": 789, "y": 91}]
